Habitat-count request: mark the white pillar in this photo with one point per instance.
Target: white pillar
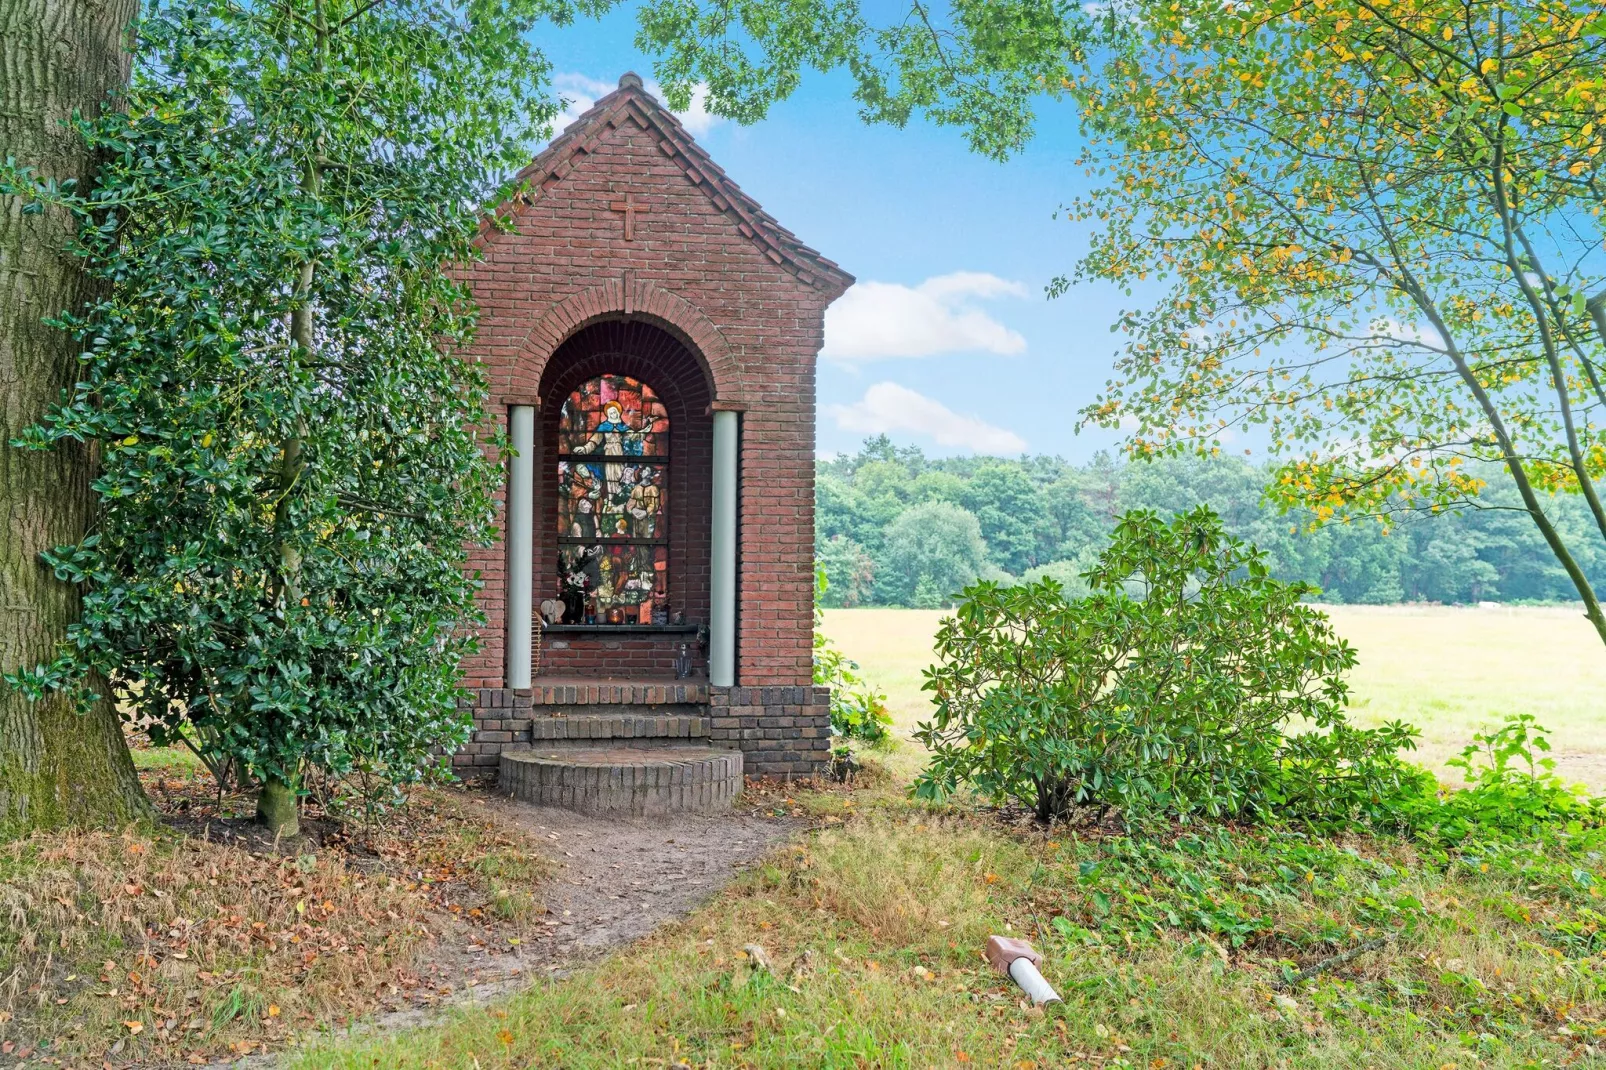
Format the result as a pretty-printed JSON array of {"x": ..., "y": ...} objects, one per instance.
[
  {"x": 722, "y": 567},
  {"x": 520, "y": 543}
]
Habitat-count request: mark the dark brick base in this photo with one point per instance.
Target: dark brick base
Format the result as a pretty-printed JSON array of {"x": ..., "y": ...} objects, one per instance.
[{"x": 781, "y": 731}]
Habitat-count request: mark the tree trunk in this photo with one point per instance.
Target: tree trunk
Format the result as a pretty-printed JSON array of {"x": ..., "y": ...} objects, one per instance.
[
  {"x": 56, "y": 766},
  {"x": 278, "y": 808}
]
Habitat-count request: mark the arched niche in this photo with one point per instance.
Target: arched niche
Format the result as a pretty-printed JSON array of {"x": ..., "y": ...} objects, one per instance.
[{"x": 678, "y": 380}]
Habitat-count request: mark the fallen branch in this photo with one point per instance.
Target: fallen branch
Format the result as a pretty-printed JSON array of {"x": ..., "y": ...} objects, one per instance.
[{"x": 1332, "y": 961}]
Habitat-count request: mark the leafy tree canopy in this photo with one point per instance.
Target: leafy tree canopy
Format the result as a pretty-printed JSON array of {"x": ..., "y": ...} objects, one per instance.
[
  {"x": 290, "y": 471},
  {"x": 933, "y": 550},
  {"x": 1370, "y": 228}
]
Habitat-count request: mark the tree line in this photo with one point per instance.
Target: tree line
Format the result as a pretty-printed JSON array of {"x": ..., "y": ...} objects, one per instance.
[{"x": 894, "y": 527}]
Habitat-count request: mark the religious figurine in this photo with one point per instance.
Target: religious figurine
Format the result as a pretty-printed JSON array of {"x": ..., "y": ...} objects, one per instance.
[
  {"x": 574, "y": 603},
  {"x": 585, "y": 524},
  {"x": 644, "y": 504},
  {"x": 612, "y": 437}
]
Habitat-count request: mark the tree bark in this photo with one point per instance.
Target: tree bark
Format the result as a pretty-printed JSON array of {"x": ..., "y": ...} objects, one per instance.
[{"x": 56, "y": 766}]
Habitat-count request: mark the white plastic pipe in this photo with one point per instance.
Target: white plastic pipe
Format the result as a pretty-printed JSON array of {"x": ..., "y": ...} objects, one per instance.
[
  {"x": 520, "y": 543},
  {"x": 722, "y": 566},
  {"x": 1023, "y": 973}
]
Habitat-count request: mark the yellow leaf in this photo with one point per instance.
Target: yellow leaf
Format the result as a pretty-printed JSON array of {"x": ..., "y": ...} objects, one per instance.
[
  {"x": 131, "y": 440},
  {"x": 273, "y": 1010},
  {"x": 1486, "y": 66},
  {"x": 206, "y": 440},
  {"x": 1448, "y": 33},
  {"x": 135, "y": 1027},
  {"x": 505, "y": 1037}
]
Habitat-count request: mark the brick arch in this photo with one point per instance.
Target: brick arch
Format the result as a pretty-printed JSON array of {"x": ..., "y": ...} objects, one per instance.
[
  {"x": 648, "y": 301},
  {"x": 643, "y": 349}
]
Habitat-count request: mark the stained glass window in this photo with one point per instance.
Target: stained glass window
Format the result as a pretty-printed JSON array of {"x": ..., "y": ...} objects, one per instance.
[{"x": 613, "y": 468}]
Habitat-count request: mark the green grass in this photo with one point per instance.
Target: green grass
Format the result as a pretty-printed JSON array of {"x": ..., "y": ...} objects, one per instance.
[
  {"x": 176, "y": 760},
  {"x": 1170, "y": 951},
  {"x": 1449, "y": 671},
  {"x": 1166, "y": 955}
]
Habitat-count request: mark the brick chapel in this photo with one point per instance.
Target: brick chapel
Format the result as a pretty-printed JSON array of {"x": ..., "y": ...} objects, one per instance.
[{"x": 650, "y": 336}]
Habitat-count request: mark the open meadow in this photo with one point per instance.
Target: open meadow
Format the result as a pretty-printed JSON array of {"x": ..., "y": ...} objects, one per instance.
[{"x": 1448, "y": 670}]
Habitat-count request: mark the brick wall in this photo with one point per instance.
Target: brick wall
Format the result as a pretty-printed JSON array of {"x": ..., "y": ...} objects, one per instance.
[
  {"x": 782, "y": 731},
  {"x": 744, "y": 311}
]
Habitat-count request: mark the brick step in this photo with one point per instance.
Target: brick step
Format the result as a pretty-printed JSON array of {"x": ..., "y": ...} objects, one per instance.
[
  {"x": 620, "y": 729},
  {"x": 554, "y": 692},
  {"x": 620, "y": 781}
]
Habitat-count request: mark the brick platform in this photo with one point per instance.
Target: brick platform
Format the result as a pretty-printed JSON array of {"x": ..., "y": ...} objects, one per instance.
[
  {"x": 782, "y": 731},
  {"x": 622, "y": 781}
]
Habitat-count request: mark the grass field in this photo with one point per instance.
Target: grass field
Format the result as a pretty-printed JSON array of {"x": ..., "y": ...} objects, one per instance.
[{"x": 1447, "y": 670}]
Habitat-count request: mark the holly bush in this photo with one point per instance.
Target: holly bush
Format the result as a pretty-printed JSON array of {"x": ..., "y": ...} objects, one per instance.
[
  {"x": 275, "y": 380},
  {"x": 1187, "y": 682}
]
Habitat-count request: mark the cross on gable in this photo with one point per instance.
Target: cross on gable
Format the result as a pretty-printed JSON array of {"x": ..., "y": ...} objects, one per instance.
[{"x": 631, "y": 210}]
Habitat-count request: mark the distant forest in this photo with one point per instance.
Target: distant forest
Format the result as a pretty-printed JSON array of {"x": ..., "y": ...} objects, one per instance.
[{"x": 894, "y": 527}]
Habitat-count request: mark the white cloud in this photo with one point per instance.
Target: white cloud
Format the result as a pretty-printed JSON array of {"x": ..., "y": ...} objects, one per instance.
[
  {"x": 888, "y": 407},
  {"x": 886, "y": 319},
  {"x": 697, "y": 119},
  {"x": 580, "y": 93}
]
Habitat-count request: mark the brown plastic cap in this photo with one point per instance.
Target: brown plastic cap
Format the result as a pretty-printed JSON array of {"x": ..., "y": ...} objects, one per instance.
[{"x": 1004, "y": 950}]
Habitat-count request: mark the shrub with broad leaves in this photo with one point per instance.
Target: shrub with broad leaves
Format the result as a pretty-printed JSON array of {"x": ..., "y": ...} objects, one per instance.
[{"x": 1187, "y": 682}]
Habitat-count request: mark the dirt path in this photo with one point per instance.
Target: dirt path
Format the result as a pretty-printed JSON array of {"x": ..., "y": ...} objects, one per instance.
[
  {"x": 616, "y": 880},
  {"x": 621, "y": 879}
]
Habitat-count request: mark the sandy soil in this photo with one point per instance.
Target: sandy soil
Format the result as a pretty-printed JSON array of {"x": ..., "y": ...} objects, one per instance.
[{"x": 621, "y": 879}]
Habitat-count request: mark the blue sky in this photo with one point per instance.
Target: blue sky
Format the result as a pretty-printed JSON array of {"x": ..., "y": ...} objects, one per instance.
[{"x": 948, "y": 342}]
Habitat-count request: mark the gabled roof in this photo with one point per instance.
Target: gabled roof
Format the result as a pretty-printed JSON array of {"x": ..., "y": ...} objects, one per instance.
[{"x": 632, "y": 101}]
